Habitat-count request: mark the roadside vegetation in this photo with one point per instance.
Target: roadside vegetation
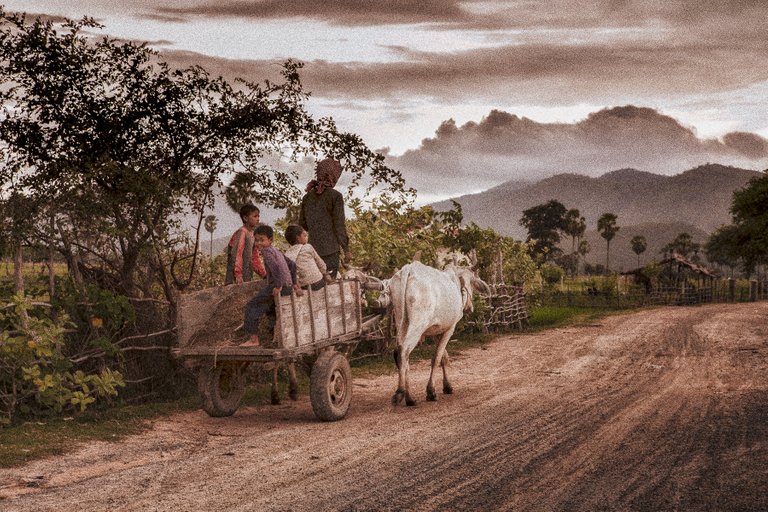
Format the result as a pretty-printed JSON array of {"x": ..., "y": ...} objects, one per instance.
[{"x": 55, "y": 435}]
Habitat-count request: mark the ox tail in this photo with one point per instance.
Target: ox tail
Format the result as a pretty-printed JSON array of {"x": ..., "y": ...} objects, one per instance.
[{"x": 405, "y": 273}]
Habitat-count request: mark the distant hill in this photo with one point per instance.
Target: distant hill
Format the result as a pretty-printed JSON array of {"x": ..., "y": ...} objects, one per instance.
[{"x": 655, "y": 206}]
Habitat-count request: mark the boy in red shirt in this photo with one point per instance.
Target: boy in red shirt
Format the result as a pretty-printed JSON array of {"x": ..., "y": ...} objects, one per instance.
[{"x": 242, "y": 255}]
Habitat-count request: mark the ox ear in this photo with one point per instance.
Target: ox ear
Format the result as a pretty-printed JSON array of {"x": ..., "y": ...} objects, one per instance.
[
  {"x": 465, "y": 280},
  {"x": 480, "y": 286}
]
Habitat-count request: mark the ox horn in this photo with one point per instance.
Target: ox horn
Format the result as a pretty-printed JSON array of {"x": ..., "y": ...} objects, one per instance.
[{"x": 473, "y": 259}]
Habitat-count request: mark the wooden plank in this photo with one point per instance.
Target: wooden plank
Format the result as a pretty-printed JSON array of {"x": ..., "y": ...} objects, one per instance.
[{"x": 320, "y": 316}]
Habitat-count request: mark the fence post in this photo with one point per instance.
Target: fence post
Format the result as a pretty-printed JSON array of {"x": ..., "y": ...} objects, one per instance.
[
  {"x": 753, "y": 291},
  {"x": 731, "y": 290}
]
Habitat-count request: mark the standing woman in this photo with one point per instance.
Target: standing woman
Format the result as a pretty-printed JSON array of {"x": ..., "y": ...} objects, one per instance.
[{"x": 322, "y": 215}]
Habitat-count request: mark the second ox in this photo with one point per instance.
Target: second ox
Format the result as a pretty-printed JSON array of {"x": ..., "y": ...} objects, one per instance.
[{"x": 428, "y": 302}]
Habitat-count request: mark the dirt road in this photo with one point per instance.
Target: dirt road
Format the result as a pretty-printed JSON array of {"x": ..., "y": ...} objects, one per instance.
[{"x": 664, "y": 409}]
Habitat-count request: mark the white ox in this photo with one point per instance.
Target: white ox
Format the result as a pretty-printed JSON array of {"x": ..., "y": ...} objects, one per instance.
[{"x": 428, "y": 302}]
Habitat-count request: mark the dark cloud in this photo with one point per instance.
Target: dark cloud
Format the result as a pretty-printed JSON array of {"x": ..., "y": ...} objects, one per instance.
[
  {"x": 748, "y": 144},
  {"x": 339, "y": 12},
  {"x": 535, "y": 74},
  {"x": 503, "y": 147},
  {"x": 548, "y": 73},
  {"x": 484, "y": 15},
  {"x": 44, "y": 17}
]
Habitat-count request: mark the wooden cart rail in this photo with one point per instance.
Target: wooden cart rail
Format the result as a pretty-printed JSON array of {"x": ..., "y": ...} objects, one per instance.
[{"x": 258, "y": 354}]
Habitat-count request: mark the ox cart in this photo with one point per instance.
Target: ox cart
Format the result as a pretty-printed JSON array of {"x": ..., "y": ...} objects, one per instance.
[{"x": 318, "y": 330}]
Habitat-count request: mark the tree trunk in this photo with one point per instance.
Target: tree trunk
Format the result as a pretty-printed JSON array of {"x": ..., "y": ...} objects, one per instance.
[{"x": 18, "y": 268}]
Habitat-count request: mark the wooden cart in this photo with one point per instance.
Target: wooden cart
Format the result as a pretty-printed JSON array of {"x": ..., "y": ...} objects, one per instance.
[{"x": 319, "y": 330}]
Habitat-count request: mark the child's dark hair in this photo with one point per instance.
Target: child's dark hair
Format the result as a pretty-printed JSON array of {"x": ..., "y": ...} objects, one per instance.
[
  {"x": 292, "y": 233},
  {"x": 248, "y": 209},
  {"x": 265, "y": 230}
]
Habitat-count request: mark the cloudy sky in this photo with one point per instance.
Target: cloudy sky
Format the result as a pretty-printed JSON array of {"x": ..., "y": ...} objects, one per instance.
[{"x": 466, "y": 95}]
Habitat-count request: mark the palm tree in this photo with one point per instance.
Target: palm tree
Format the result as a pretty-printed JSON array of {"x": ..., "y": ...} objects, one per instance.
[
  {"x": 639, "y": 245},
  {"x": 607, "y": 227},
  {"x": 575, "y": 226},
  {"x": 210, "y": 226}
]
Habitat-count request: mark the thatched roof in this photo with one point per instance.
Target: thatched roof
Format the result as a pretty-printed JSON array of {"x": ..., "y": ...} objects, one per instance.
[{"x": 680, "y": 261}]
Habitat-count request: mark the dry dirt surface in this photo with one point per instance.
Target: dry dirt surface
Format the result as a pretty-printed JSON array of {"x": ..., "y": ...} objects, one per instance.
[{"x": 662, "y": 409}]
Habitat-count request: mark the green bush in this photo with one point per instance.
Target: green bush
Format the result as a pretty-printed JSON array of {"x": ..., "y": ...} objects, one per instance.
[
  {"x": 35, "y": 374},
  {"x": 551, "y": 274}
]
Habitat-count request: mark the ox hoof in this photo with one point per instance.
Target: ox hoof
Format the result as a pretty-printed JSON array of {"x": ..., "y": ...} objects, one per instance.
[
  {"x": 448, "y": 390},
  {"x": 410, "y": 401},
  {"x": 431, "y": 396},
  {"x": 293, "y": 395},
  {"x": 275, "y": 400},
  {"x": 397, "y": 397}
]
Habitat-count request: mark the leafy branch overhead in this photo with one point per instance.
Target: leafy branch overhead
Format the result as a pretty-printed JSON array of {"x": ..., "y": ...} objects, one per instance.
[{"x": 124, "y": 146}]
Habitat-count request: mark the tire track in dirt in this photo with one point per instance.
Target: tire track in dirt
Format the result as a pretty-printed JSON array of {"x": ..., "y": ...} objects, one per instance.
[{"x": 662, "y": 409}]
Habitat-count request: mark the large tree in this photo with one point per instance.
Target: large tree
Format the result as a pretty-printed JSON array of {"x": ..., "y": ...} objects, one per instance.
[
  {"x": 683, "y": 245},
  {"x": 746, "y": 239},
  {"x": 544, "y": 223},
  {"x": 118, "y": 146},
  {"x": 606, "y": 226}
]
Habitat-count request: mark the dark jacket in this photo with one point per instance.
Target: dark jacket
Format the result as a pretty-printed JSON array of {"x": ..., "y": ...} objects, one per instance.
[{"x": 322, "y": 215}]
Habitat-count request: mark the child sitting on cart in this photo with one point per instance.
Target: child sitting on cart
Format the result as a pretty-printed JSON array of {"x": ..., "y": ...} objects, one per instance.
[
  {"x": 311, "y": 271},
  {"x": 281, "y": 277}
]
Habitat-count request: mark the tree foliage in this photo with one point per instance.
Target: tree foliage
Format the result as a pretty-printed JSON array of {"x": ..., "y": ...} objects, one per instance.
[
  {"x": 386, "y": 235},
  {"x": 683, "y": 245},
  {"x": 544, "y": 223},
  {"x": 745, "y": 241},
  {"x": 122, "y": 146}
]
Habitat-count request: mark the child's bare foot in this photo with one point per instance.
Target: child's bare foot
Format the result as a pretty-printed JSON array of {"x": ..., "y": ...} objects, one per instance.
[{"x": 253, "y": 341}]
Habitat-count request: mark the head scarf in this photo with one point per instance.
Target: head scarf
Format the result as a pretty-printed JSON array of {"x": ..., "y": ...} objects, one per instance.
[{"x": 327, "y": 173}]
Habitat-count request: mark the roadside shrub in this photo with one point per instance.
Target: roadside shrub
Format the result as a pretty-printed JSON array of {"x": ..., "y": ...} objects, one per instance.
[
  {"x": 35, "y": 374},
  {"x": 551, "y": 274}
]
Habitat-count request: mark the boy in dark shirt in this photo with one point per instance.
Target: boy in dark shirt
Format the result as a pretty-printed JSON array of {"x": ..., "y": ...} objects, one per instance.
[{"x": 281, "y": 276}]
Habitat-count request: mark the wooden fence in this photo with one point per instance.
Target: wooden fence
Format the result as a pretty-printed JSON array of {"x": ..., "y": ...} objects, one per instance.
[
  {"x": 723, "y": 290},
  {"x": 506, "y": 308}
]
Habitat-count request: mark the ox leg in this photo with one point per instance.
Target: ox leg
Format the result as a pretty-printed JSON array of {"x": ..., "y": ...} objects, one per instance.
[
  {"x": 447, "y": 388},
  {"x": 403, "y": 390},
  {"x": 275, "y": 391},
  {"x": 293, "y": 386},
  {"x": 438, "y": 359}
]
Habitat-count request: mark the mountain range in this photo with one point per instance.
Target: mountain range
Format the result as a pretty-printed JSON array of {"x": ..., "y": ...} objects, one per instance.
[{"x": 658, "y": 207}]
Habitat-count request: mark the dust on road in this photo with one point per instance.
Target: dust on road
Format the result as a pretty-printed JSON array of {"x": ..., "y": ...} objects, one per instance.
[{"x": 661, "y": 409}]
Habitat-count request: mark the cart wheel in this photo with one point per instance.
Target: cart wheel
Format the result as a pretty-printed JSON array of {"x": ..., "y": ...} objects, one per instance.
[
  {"x": 221, "y": 387},
  {"x": 330, "y": 386}
]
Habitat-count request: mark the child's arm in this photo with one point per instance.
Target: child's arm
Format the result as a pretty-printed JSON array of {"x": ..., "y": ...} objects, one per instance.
[
  {"x": 238, "y": 268},
  {"x": 319, "y": 261},
  {"x": 320, "y": 264},
  {"x": 256, "y": 264},
  {"x": 292, "y": 268}
]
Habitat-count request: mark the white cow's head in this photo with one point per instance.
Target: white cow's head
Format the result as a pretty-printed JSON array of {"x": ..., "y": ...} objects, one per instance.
[{"x": 469, "y": 282}]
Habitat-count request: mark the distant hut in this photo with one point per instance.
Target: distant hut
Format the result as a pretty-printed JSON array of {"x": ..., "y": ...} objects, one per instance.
[{"x": 677, "y": 271}]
